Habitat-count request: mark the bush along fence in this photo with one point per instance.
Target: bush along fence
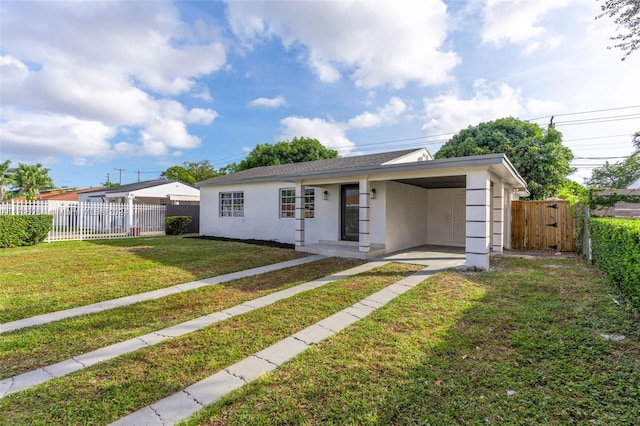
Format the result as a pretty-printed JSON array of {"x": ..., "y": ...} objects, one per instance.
[
  {"x": 24, "y": 230},
  {"x": 83, "y": 221},
  {"x": 615, "y": 246}
]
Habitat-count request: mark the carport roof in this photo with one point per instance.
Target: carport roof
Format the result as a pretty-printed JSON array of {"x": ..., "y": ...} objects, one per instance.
[{"x": 372, "y": 165}]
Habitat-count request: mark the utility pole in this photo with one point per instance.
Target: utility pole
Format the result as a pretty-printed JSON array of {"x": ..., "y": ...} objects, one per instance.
[
  {"x": 120, "y": 170},
  {"x": 138, "y": 172},
  {"x": 108, "y": 179}
]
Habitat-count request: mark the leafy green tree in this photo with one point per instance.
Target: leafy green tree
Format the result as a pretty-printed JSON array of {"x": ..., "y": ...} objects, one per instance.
[
  {"x": 30, "y": 179},
  {"x": 191, "y": 172},
  {"x": 617, "y": 175},
  {"x": 573, "y": 192},
  {"x": 6, "y": 177},
  {"x": 636, "y": 140},
  {"x": 626, "y": 14},
  {"x": 295, "y": 151},
  {"x": 537, "y": 154}
]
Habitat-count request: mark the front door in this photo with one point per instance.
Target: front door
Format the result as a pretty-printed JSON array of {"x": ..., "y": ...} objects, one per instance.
[{"x": 350, "y": 213}]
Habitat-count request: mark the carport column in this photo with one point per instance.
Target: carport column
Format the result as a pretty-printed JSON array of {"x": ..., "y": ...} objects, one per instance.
[
  {"x": 299, "y": 238},
  {"x": 365, "y": 238},
  {"x": 498, "y": 217},
  {"x": 478, "y": 236}
]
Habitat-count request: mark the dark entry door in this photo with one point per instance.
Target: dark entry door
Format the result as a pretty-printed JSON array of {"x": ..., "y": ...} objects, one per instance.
[{"x": 350, "y": 226}]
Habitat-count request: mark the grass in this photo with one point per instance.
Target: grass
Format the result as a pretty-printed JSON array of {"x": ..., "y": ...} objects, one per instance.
[
  {"x": 521, "y": 344},
  {"x": 518, "y": 345},
  {"x": 110, "y": 390},
  {"x": 36, "y": 347},
  {"x": 51, "y": 277}
]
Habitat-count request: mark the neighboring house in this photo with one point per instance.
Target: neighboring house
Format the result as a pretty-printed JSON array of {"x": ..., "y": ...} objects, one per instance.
[
  {"x": 368, "y": 205},
  {"x": 159, "y": 191},
  {"x": 635, "y": 185},
  {"x": 59, "y": 194}
]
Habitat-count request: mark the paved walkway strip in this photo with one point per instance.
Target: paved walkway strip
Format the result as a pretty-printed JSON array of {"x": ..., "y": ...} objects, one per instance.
[
  {"x": 150, "y": 295},
  {"x": 42, "y": 375},
  {"x": 182, "y": 405}
]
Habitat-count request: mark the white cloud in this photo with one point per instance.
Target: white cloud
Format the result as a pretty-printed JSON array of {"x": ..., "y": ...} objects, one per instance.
[
  {"x": 330, "y": 134},
  {"x": 377, "y": 43},
  {"x": 49, "y": 134},
  {"x": 276, "y": 102},
  {"x": 88, "y": 71},
  {"x": 519, "y": 22},
  {"x": 201, "y": 116},
  {"x": 386, "y": 115},
  {"x": 449, "y": 113}
]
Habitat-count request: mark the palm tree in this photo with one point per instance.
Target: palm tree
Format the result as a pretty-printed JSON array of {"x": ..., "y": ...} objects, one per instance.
[
  {"x": 6, "y": 177},
  {"x": 30, "y": 179}
]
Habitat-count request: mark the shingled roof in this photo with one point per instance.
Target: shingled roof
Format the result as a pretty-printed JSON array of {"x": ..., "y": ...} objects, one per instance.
[{"x": 332, "y": 164}]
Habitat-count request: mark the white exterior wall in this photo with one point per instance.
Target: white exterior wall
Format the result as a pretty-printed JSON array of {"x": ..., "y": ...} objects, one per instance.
[
  {"x": 326, "y": 224},
  {"x": 446, "y": 213},
  {"x": 262, "y": 220},
  {"x": 406, "y": 216},
  {"x": 377, "y": 208}
]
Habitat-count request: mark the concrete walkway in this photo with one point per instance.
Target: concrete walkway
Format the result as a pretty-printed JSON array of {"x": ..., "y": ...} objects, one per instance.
[
  {"x": 42, "y": 375},
  {"x": 183, "y": 404},
  {"x": 155, "y": 294}
]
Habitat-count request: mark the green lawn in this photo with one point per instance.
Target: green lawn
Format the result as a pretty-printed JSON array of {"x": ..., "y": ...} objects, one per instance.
[
  {"x": 517, "y": 346},
  {"x": 36, "y": 347},
  {"x": 521, "y": 344},
  {"x": 51, "y": 277}
]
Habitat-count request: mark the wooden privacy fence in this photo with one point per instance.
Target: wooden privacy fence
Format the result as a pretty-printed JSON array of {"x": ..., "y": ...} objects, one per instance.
[
  {"x": 542, "y": 225},
  {"x": 83, "y": 221}
]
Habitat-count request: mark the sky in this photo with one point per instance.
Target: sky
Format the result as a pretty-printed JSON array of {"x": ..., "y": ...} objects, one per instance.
[{"x": 122, "y": 90}]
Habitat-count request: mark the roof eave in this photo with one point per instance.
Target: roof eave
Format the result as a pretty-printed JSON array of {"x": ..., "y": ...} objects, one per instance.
[{"x": 458, "y": 162}]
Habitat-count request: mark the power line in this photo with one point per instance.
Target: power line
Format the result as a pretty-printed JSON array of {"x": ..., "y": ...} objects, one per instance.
[
  {"x": 583, "y": 112},
  {"x": 366, "y": 147}
]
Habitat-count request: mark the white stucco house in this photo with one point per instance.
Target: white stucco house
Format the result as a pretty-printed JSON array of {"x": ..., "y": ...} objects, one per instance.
[
  {"x": 365, "y": 206},
  {"x": 158, "y": 191}
]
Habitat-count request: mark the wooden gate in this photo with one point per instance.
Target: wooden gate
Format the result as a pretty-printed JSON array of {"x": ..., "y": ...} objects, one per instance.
[{"x": 542, "y": 225}]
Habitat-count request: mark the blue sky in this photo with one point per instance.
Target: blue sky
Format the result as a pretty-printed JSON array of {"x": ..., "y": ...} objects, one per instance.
[{"x": 89, "y": 87}]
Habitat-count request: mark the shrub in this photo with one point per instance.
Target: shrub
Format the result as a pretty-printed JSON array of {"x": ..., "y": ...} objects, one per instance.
[
  {"x": 24, "y": 230},
  {"x": 615, "y": 244},
  {"x": 177, "y": 225}
]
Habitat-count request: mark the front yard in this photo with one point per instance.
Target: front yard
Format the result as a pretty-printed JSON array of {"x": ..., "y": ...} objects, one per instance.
[{"x": 534, "y": 341}]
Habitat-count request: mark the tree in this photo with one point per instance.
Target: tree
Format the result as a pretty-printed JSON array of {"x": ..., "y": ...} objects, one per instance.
[
  {"x": 538, "y": 155},
  {"x": 295, "y": 151},
  {"x": 191, "y": 172},
  {"x": 636, "y": 140},
  {"x": 626, "y": 14},
  {"x": 618, "y": 175},
  {"x": 6, "y": 177},
  {"x": 30, "y": 179}
]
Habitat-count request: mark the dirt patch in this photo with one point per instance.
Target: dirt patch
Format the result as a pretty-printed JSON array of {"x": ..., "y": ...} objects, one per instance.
[
  {"x": 538, "y": 254},
  {"x": 250, "y": 241}
]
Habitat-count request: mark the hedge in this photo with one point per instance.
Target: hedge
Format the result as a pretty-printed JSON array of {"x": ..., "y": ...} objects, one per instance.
[
  {"x": 177, "y": 225},
  {"x": 615, "y": 245},
  {"x": 24, "y": 230}
]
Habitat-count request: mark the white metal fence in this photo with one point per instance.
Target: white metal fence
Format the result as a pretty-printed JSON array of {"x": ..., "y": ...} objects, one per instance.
[{"x": 83, "y": 221}]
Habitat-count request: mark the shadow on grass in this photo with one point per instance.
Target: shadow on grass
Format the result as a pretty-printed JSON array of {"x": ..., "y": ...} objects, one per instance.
[
  {"x": 201, "y": 258},
  {"x": 528, "y": 351},
  {"x": 518, "y": 345}
]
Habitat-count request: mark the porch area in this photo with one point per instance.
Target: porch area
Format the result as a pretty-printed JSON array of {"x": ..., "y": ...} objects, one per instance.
[
  {"x": 450, "y": 257},
  {"x": 348, "y": 249}
]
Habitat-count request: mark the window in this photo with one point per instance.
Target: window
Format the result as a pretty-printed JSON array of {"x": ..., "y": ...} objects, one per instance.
[
  {"x": 288, "y": 203},
  {"x": 309, "y": 203},
  {"x": 232, "y": 204}
]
